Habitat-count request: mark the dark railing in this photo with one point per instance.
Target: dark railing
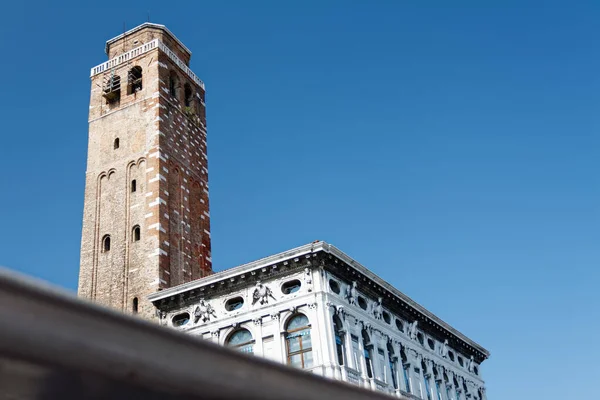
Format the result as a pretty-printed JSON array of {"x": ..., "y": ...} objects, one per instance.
[{"x": 56, "y": 346}]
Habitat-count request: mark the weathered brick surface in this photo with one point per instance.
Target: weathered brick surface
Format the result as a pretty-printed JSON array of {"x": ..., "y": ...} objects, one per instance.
[{"x": 162, "y": 145}]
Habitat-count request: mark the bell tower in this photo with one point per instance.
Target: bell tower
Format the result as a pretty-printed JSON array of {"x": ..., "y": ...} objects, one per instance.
[{"x": 146, "y": 222}]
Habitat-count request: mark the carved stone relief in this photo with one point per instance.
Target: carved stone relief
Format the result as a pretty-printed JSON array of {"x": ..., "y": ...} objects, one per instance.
[
  {"x": 412, "y": 330},
  {"x": 352, "y": 293},
  {"x": 261, "y": 294},
  {"x": 204, "y": 311},
  {"x": 378, "y": 309}
]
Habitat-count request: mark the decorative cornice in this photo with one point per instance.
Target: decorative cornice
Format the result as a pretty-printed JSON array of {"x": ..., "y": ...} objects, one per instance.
[{"x": 342, "y": 263}]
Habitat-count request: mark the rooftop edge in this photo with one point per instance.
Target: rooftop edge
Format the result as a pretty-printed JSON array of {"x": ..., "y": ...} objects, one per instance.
[
  {"x": 139, "y": 28},
  {"x": 306, "y": 249}
]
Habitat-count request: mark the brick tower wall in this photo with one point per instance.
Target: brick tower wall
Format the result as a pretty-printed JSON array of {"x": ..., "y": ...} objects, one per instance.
[{"x": 162, "y": 146}]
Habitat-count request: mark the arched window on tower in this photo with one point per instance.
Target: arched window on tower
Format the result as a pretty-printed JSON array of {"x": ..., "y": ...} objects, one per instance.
[
  {"x": 241, "y": 340},
  {"x": 135, "y": 305},
  {"x": 173, "y": 84},
  {"x": 106, "y": 243},
  {"x": 133, "y": 185},
  {"x": 340, "y": 342},
  {"x": 298, "y": 342},
  {"x": 187, "y": 91},
  {"x": 368, "y": 351},
  {"x": 134, "y": 80},
  {"x": 136, "y": 233},
  {"x": 116, "y": 144}
]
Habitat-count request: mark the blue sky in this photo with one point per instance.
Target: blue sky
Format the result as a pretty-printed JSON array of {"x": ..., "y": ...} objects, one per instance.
[{"x": 452, "y": 148}]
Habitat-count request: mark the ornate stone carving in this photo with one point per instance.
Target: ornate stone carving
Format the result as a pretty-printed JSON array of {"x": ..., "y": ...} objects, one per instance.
[
  {"x": 378, "y": 309},
  {"x": 257, "y": 321},
  {"x": 412, "y": 330},
  {"x": 471, "y": 364},
  {"x": 275, "y": 316},
  {"x": 293, "y": 309},
  {"x": 352, "y": 293},
  {"x": 261, "y": 294},
  {"x": 341, "y": 312},
  {"x": 308, "y": 279},
  {"x": 215, "y": 334},
  {"x": 312, "y": 306},
  {"x": 444, "y": 349},
  {"x": 204, "y": 311},
  {"x": 162, "y": 317},
  {"x": 415, "y": 354}
]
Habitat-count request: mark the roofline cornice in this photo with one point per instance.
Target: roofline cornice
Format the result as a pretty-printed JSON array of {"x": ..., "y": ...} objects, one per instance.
[{"x": 318, "y": 246}]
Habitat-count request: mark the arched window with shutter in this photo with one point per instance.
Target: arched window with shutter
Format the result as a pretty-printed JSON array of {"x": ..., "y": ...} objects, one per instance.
[{"x": 298, "y": 342}]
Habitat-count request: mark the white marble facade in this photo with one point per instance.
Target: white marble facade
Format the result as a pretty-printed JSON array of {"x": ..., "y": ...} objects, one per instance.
[{"x": 315, "y": 308}]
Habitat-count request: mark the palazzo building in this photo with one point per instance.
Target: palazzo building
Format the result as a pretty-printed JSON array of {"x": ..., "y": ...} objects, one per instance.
[
  {"x": 315, "y": 308},
  {"x": 145, "y": 247}
]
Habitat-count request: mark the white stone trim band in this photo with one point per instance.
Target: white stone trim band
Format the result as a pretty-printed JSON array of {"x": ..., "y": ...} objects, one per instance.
[{"x": 138, "y": 51}]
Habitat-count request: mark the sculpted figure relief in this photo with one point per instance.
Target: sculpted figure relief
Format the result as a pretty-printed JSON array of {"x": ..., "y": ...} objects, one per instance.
[
  {"x": 261, "y": 294},
  {"x": 352, "y": 294},
  {"x": 378, "y": 309},
  {"x": 204, "y": 311},
  {"x": 412, "y": 330},
  {"x": 444, "y": 349},
  {"x": 471, "y": 364}
]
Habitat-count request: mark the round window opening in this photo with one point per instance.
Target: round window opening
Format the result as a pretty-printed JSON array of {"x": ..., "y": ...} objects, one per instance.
[
  {"x": 399, "y": 325},
  {"x": 420, "y": 337},
  {"x": 291, "y": 286},
  {"x": 362, "y": 302},
  {"x": 234, "y": 304},
  {"x": 431, "y": 344},
  {"x": 181, "y": 319},
  {"x": 334, "y": 286},
  {"x": 451, "y": 355},
  {"x": 386, "y": 317},
  {"x": 476, "y": 370},
  {"x": 460, "y": 361}
]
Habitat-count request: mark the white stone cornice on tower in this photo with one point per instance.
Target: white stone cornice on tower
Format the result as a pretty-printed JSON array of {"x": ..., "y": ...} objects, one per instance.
[{"x": 141, "y": 50}]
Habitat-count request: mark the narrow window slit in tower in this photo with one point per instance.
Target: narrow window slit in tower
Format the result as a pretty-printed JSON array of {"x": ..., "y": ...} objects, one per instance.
[
  {"x": 116, "y": 144},
  {"x": 106, "y": 243},
  {"x": 136, "y": 233},
  {"x": 133, "y": 185},
  {"x": 173, "y": 84},
  {"x": 188, "y": 94},
  {"x": 135, "y": 305}
]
